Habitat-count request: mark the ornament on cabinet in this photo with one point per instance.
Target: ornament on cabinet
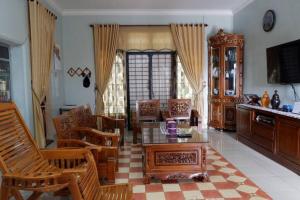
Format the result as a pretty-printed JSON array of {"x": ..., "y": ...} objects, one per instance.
[
  {"x": 265, "y": 100},
  {"x": 275, "y": 101}
]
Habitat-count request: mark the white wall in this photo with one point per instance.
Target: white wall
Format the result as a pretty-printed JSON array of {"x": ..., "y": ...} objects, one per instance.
[
  {"x": 14, "y": 32},
  {"x": 249, "y": 22},
  {"x": 78, "y": 45}
]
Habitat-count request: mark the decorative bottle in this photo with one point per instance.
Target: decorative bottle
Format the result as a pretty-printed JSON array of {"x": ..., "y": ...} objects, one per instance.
[
  {"x": 275, "y": 101},
  {"x": 265, "y": 100}
]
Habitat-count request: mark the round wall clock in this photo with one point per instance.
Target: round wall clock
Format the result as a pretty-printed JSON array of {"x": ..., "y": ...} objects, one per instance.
[{"x": 269, "y": 20}]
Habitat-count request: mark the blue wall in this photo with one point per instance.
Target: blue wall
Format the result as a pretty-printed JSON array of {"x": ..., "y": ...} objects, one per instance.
[
  {"x": 14, "y": 32},
  {"x": 78, "y": 45},
  {"x": 249, "y": 22}
]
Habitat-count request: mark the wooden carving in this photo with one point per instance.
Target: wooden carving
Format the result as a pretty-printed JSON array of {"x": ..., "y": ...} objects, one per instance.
[
  {"x": 179, "y": 108},
  {"x": 180, "y": 158}
]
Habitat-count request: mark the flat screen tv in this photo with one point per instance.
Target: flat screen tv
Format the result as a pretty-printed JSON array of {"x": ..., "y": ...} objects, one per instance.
[{"x": 283, "y": 62}]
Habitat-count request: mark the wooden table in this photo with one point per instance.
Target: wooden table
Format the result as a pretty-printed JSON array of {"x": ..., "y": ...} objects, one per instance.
[{"x": 171, "y": 157}]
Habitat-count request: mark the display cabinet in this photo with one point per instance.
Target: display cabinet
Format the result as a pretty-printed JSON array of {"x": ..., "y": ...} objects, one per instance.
[
  {"x": 225, "y": 79},
  {"x": 4, "y": 74}
]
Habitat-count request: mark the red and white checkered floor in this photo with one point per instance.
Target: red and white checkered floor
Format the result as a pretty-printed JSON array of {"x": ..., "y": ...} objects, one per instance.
[{"x": 225, "y": 181}]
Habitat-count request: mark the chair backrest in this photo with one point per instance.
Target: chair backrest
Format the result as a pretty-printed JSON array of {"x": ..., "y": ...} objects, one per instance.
[
  {"x": 148, "y": 110},
  {"x": 180, "y": 108},
  {"x": 84, "y": 116},
  {"x": 18, "y": 151},
  {"x": 88, "y": 182},
  {"x": 64, "y": 124}
]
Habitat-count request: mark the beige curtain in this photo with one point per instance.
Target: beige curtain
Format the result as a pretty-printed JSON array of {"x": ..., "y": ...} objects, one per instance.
[
  {"x": 145, "y": 37},
  {"x": 105, "y": 47},
  {"x": 42, "y": 28},
  {"x": 189, "y": 42}
]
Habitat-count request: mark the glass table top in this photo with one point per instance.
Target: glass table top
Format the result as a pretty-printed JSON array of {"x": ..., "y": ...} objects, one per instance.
[{"x": 155, "y": 133}]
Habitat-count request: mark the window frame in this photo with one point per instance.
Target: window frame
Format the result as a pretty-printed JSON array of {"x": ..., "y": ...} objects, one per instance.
[{"x": 150, "y": 75}]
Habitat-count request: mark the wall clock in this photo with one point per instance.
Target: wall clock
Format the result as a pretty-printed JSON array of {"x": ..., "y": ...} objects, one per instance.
[{"x": 269, "y": 20}]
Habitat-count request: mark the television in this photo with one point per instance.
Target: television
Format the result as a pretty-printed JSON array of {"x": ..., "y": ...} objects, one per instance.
[{"x": 283, "y": 63}]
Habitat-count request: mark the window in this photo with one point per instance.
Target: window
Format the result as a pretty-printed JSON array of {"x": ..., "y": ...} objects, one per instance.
[
  {"x": 4, "y": 74},
  {"x": 114, "y": 96},
  {"x": 184, "y": 90},
  {"x": 150, "y": 76}
]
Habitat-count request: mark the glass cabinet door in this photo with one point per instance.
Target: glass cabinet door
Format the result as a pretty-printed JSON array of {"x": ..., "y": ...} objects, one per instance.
[
  {"x": 215, "y": 71},
  {"x": 230, "y": 71}
]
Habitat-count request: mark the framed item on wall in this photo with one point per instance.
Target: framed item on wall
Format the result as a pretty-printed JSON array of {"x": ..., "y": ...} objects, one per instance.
[{"x": 269, "y": 20}]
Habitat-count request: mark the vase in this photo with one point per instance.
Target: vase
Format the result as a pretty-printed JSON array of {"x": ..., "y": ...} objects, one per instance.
[
  {"x": 275, "y": 101},
  {"x": 265, "y": 100}
]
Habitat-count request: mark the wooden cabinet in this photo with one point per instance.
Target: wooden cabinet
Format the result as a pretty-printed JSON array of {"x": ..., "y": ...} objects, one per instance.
[
  {"x": 244, "y": 122},
  {"x": 271, "y": 133},
  {"x": 225, "y": 79},
  {"x": 215, "y": 115},
  {"x": 288, "y": 139}
]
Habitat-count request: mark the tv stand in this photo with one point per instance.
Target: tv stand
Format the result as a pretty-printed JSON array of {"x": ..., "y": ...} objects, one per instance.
[{"x": 273, "y": 133}]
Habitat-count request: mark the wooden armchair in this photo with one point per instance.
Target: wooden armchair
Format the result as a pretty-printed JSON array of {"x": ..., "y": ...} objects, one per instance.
[
  {"x": 69, "y": 134},
  {"x": 25, "y": 167},
  {"x": 146, "y": 110},
  {"x": 85, "y": 118},
  {"x": 181, "y": 110}
]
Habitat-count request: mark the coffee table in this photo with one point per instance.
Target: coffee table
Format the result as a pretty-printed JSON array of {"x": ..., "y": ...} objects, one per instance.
[{"x": 170, "y": 157}]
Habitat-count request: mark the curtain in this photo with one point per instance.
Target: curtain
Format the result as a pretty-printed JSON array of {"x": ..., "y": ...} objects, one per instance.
[
  {"x": 105, "y": 47},
  {"x": 189, "y": 43},
  {"x": 42, "y": 28},
  {"x": 145, "y": 37}
]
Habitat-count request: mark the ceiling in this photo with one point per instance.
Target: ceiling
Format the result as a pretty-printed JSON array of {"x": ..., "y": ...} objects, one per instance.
[{"x": 201, "y": 5}]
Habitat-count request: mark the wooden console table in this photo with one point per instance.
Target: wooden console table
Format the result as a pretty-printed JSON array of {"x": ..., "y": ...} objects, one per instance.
[
  {"x": 167, "y": 157},
  {"x": 274, "y": 133}
]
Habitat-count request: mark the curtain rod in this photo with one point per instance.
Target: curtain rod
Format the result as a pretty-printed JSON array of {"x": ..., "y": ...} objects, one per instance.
[
  {"x": 129, "y": 25},
  {"x": 50, "y": 12}
]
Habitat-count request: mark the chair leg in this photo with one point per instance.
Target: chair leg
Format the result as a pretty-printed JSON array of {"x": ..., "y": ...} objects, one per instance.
[
  {"x": 4, "y": 193},
  {"x": 35, "y": 196},
  {"x": 74, "y": 189},
  {"x": 111, "y": 170},
  {"x": 17, "y": 194}
]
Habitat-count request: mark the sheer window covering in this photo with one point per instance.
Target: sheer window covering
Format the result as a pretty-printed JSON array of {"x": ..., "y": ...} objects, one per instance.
[{"x": 114, "y": 95}]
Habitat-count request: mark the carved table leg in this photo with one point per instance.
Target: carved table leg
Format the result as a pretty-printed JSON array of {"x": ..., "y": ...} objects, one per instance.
[
  {"x": 202, "y": 177},
  {"x": 147, "y": 179}
]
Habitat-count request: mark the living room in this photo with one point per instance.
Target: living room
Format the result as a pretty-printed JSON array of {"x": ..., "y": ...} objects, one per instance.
[{"x": 247, "y": 143}]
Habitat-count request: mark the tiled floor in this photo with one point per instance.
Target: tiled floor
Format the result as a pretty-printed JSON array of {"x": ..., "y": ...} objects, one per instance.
[
  {"x": 277, "y": 181},
  {"x": 225, "y": 181}
]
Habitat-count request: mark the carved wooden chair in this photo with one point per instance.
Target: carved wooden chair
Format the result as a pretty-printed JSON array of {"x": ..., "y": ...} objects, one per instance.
[
  {"x": 181, "y": 110},
  {"x": 90, "y": 189},
  {"x": 25, "y": 167},
  {"x": 69, "y": 134},
  {"x": 85, "y": 118},
  {"x": 146, "y": 110}
]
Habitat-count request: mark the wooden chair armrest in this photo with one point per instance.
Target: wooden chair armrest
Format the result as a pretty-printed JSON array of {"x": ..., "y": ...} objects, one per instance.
[
  {"x": 94, "y": 132},
  {"x": 109, "y": 118},
  {"x": 61, "y": 143},
  {"x": 69, "y": 153},
  {"x": 70, "y": 160},
  {"x": 34, "y": 176},
  {"x": 99, "y": 135},
  {"x": 37, "y": 181}
]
